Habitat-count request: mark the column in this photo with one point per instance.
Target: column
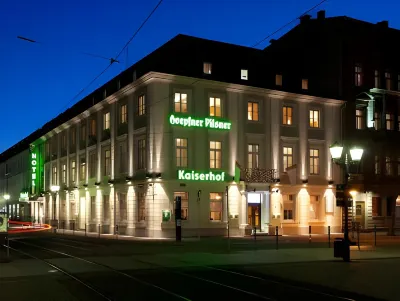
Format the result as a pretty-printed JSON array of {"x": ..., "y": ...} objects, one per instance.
[
  {"x": 131, "y": 208},
  {"x": 265, "y": 211},
  {"x": 131, "y": 150},
  {"x": 303, "y": 140},
  {"x": 113, "y": 128}
]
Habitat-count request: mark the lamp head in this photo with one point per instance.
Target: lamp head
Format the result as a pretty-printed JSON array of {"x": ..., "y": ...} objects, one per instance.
[{"x": 336, "y": 150}]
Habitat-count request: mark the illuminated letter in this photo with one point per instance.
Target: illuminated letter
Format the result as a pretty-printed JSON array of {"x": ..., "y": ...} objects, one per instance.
[
  {"x": 187, "y": 176},
  {"x": 34, "y": 176},
  {"x": 207, "y": 175},
  {"x": 33, "y": 156},
  {"x": 34, "y": 169},
  {"x": 218, "y": 177},
  {"x": 212, "y": 176},
  {"x": 171, "y": 119},
  {"x": 181, "y": 175},
  {"x": 202, "y": 177},
  {"x": 223, "y": 176},
  {"x": 34, "y": 162},
  {"x": 196, "y": 176}
]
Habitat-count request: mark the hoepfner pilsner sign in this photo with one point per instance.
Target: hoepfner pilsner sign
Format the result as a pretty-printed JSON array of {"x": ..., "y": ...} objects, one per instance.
[{"x": 208, "y": 122}]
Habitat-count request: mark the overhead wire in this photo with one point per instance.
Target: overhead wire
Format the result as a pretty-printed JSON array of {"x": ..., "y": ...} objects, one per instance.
[
  {"x": 114, "y": 59},
  {"x": 287, "y": 24}
]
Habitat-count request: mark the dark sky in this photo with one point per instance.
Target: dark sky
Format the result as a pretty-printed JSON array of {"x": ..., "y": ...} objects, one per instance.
[{"x": 38, "y": 81}]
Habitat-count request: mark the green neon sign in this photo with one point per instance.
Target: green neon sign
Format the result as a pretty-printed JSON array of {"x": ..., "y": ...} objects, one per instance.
[
  {"x": 36, "y": 168},
  {"x": 208, "y": 122},
  {"x": 192, "y": 175}
]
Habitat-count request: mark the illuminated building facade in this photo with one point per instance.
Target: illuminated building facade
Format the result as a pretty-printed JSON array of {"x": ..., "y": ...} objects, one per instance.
[{"x": 230, "y": 147}]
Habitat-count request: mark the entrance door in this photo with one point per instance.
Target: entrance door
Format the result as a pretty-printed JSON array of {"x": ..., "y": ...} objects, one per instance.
[
  {"x": 360, "y": 213},
  {"x": 254, "y": 215}
]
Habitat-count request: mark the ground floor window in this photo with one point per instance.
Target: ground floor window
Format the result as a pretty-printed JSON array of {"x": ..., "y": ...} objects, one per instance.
[
  {"x": 288, "y": 207},
  {"x": 93, "y": 208},
  {"x": 141, "y": 206},
  {"x": 106, "y": 208},
  {"x": 314, "y": 207},
  {"x": 184, "y": 204},
  {"x": 216, "y": 206},
  {"x": 123, "y": 216}
]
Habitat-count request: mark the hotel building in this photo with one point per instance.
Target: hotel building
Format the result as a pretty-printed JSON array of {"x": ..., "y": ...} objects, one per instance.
[{"x": 199, "y": 126}]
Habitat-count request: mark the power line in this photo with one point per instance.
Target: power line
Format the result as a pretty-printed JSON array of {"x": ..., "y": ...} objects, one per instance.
[
  {"x": 287, "y": 24},
  {"x": 115, "y": 59}
]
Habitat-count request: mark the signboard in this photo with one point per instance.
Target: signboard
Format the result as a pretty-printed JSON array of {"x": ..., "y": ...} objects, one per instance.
[
  {"x": 36, "y": 169},
  {"x": 192, "y": 175},
  {"x": 3, "y": 223},
  {"x": 341, "y": 196},
  {"x": 208, "y": 122},
  {"x": 24, "y": 197},
  {"x": 166, "y": 215}
]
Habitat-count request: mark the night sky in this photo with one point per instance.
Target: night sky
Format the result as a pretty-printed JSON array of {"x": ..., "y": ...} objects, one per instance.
[{"x": 38, "y": 81}]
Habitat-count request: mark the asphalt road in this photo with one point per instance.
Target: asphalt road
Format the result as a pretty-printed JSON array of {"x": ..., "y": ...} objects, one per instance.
[{"x": 76, "y": 275}]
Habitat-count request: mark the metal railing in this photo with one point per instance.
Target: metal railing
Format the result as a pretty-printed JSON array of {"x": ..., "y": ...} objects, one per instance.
[{"x": 259, "y": 175}]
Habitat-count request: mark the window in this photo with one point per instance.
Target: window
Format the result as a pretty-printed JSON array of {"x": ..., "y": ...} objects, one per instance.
[
  {"x": 377, "y": 165},
  {"x": 141, "y": 207},
  {"x": 388, "y": 81},
  {"x": 244, "y": 74},
  {"x": 123, "y": 212},
  {"x": 216, "y": 206},
  {"x": 54, "y": 179},
  {"x": 360, "y": 119},
  {"x": 252, "y": 111},
  {"x": 376, "y": 206},
  {"x": 304, "y": 84},
  {"x": 388, "y": 166},
  {"x": 107, "y": 162},
  {"x": 358, "y": 75},
  {"x": 389, "y": 122},
  {"x": 278, "y": 80},
  {"x": 83, "y": 131},
  {"x": 377, "y": 81},
  {"x": 106, "y": 208},
  {"x": 287, "y": 117},
  {"x": 64, "y": 141},
  {"x": 398, "y": 166},
  {"x": 314, "y": 118},
  {"x": 64, "y": 173},
  {"x": 82, "y": 169},
  {"x": 252, "y": 158},
  {"x": 181, "y": 152},
  {"x": 207, "y": 68},
  {"x": 123, "y": 114},
  {"x": 288, "y": 207},
  {"x": 180, "y": 102},
  {"x": 106, "y": 121},
  {"x": 314, "y": 161},
  {"x": 215, "y": 106},
  {"x": 122, "y": 157},
  {"x": 73, "y": 171},
  {"x": 141, "y": 153},
  {"x": 73, "y": 137},
  {"x": 287, "y": 157},
  {"x": 93, "y": 127},
  {"x": 377, "y": 120},
  {"x": 93, "y": 208},
  {"x": 215, "y": 154},
  {"x": 314, "y": 207},
  {"x": 92, "y": 164},
  {"x": 184, "y": 203},
  {"x": 141, "y": 105},
  {"x": 398, "y": 82}
]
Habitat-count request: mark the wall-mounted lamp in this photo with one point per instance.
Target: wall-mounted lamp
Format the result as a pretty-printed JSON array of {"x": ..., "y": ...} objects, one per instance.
[{"x": 54, "y": 188}]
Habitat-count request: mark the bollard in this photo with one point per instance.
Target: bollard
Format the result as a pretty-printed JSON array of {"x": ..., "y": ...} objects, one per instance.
[
  {"x": 375, "y": 234},
  {"x": 99, "y": 230},
  {"x": 329, "y": 236},
  {"x": 276, "y": 235},
  {"x": 358, "y": 236},
  {"x": 309, "y": 234}
]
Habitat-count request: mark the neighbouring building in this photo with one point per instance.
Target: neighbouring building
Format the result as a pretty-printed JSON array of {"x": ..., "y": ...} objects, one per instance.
[
  {"x": 341, "y": 58},
  {"x": 199, "y": 126}
]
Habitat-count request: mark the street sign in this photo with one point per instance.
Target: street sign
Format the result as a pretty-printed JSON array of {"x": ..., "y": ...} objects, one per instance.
[{"x": 341, "y": 196}]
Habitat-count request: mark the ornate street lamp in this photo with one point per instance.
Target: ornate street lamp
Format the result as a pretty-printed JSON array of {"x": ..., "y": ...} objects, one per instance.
[{"x": 355, "y": 157}]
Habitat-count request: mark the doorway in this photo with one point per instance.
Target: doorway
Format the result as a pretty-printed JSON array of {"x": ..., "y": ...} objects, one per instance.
[
  {"x": 254, "y": 216},
  {"x": 360, "y": 213}
]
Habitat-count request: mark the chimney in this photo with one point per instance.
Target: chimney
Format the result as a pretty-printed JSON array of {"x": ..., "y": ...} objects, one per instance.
[
  {"x": 304, "y": 18},
  {"x": 321, "y": 15},
  {"x": 383, "y": 24}
]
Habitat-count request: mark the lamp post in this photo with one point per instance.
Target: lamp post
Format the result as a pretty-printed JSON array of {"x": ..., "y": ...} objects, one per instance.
[
  {"x": 54, "y": 189},
  {"x": 355, "y": 157}
]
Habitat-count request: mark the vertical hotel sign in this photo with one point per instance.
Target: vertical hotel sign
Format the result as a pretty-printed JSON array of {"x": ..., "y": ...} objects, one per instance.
[{"x": 35, "y": 169}]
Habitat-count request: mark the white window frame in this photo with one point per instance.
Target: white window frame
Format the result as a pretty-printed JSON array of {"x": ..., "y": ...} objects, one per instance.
[
  {"x": 141, "y": 108},
  {"x": 216, "y": 197},
  {"x": 213, "y": 105},
  {"x": 244, "y": 74},
  {"x": 253, "y": 155},
  {"x": 287, "y": 152},
  {"x": 215, "y": 151},
  {"x": 207, "y": 68},
  {"x": 314, "y": 157},
  {"x": 123, "y": 114},
  {"x": 106, "y": 121},
  {"x": 252, "y": 114},
  {"x": 312, "y": 118},
  {"x": 287, "y": 119},
  {"x": 180, "y": 102},
  {"x": 181, "y": 145}
]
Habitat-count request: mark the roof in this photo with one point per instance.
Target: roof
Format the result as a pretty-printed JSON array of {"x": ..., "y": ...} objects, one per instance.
[{"x": 182, "y": 55}]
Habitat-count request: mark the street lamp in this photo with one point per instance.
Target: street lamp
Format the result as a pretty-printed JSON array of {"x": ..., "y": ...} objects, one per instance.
[{"x": 355, "y": 156}]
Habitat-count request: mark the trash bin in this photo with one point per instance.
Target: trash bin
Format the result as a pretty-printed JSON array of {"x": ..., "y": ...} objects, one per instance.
[{"x": 338, "y": 247}]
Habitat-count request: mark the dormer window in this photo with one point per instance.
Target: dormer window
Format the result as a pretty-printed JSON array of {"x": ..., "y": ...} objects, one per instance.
[
  {"x": 207, "y": 68},
  {"x": 244, "y": 74}
]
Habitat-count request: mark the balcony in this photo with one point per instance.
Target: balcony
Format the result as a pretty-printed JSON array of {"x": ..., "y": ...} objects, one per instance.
[{"x": 259, "y": 175}]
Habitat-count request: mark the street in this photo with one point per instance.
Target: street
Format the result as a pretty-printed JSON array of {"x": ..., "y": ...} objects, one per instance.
[{"x": 72, "y": 268}]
